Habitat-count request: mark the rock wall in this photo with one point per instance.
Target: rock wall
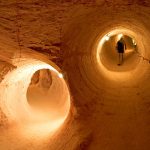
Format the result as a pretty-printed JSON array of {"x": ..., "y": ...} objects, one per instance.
[{"x": 109, "y": 110}]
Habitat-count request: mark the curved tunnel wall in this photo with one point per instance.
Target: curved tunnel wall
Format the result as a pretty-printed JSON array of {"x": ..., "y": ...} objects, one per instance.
[
  {"x": 99, "y": 92},
  {"x": 107, "y": 105},
  {"x": 88, "y": 31},
  {"x": 109, "y": 53},
  {"x": 107, "y": 99},
  {"x": 19, "y": 112}
]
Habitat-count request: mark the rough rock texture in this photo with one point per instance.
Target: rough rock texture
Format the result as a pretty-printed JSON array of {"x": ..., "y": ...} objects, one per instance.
[
  {"x": 5, "y": 68},
  {"x": 40, "y": 23},
  {"x": 110, "y": 111}
]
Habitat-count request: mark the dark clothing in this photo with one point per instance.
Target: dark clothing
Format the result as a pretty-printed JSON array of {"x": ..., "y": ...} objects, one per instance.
[{"x": 120, "y": 47}]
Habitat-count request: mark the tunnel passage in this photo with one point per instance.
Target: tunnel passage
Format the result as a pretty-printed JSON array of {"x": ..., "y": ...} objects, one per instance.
[
  {"x": 83, "y": 52},
  {"x": 106, "y": 93},
  {"x": 108, "y": 59},
  {"x": 47, "y": 94},
  {"x": 109, "y": 104},
  {"x": 109, "y": 55},
  {"x": 18, "y": 103},
  {"x": 39, "y": 89}
]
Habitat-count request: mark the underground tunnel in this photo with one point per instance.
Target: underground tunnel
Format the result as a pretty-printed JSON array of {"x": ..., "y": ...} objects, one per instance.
[
  {"x": 109, "y": 51},
  {"x": 61, "y": 86},
  {"x": 42, "y": 102}
]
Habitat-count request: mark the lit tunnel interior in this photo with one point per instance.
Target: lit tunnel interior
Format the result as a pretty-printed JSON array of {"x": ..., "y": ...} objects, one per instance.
[
  {"x": 109, "y": 51},
  {"x": 110, "y": 94},
  {"x": 41, "y": 114},
  {"x": 91, "y": 103}
]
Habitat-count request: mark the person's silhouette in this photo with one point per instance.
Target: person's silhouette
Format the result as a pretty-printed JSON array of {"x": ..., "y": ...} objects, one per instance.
[{"x": 121, "y": 46}]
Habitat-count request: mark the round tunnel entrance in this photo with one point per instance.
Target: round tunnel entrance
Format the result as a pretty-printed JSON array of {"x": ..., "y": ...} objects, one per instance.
[
  {"x": 35, "y": 96},
  {"x": 107, "y": 56},
  {"x": 47, "y": 94},
  {"x": 117, "y": 61}
]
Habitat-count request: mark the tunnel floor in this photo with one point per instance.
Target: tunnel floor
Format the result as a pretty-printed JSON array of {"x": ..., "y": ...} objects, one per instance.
[{"x": 124, "y": 125}]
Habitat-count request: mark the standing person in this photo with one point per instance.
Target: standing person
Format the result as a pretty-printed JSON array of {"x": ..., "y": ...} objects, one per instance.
[{"x": 121, "y": 46}]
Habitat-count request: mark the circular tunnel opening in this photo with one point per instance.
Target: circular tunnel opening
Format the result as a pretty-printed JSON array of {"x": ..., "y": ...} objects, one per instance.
[
  {"x": 39, "y": 89},
  {"x": 107, "y": 55},
  {"x": 46, "y": 94},
  {"x": 119, "y": 60},
  {"x": 35, "y": 96}
]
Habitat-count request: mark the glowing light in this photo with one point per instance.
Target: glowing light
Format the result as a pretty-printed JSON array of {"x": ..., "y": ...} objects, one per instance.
[
  {"x": 14, "y": 102},
  {"x": 42, "y": 129},
  {"x": 119, "y": 31},
  {"x": 107, "y": 37},
  {"x": 60, "y": 75},
  {"x": 133, "y": 41},
  {"x": 120, "y": 36}
]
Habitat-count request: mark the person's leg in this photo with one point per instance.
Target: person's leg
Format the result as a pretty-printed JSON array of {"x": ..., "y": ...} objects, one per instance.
[{"x": 119, "y": 60}]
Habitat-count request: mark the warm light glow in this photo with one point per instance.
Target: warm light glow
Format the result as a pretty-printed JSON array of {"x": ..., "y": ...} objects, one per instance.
[
  {"x": 107, "y": 37},
  {"x": 120, "y": 36},
  {"x": 129, "y": 51},
  {"x": 60, "y": 75},
  {"x": 112, "y": 75},
  {"x": 133, "y": 41},
  {"x": 42, "y": 130},
  {"x": 14, "y": 102}
]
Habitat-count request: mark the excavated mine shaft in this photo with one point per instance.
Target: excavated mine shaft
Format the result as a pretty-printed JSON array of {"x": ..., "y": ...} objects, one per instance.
[
  {"x": 112, "y": 99},
  {"x": 110, "y": 105}
]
